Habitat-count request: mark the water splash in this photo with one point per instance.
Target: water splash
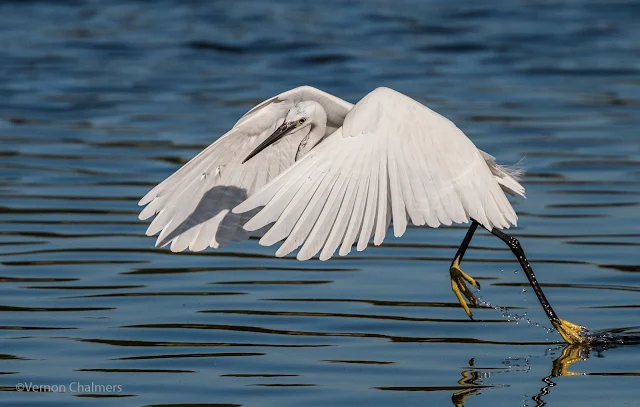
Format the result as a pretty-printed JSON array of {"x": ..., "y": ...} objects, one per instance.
[
  {"x": 607, "y": 339},
  {"x": 512, "y": 316},
  {"x": 597, "y": 339}
]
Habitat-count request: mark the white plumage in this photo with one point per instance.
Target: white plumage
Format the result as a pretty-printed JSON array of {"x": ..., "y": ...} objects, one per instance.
[
  {"x": 389, "y": 159},
  {"x": 193, "y": 206}
]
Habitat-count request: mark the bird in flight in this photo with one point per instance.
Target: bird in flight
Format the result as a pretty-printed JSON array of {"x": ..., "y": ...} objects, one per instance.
[{"x": 320, "y": 174}]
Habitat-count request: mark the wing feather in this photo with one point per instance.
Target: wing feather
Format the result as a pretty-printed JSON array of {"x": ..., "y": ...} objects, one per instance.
[
  {"x": 381, "y": 222},
  {"x": 432, "y": 187},
  {"x": 409, "y": 196},
  {"x": 314, "y": 207},
  {"x": 292, "y": 212},
  {"x": 397, "y": 201},
  {"x": 355, "y": 220},
  {"x": 276, "y": 200},
  {"x": 372, "y": 199},
  {"x": 309, "y": 216},
  {"x": 325, "y": 221},
  {"x": 416, "y": 197},
  {"x": 342, "y": 219}
]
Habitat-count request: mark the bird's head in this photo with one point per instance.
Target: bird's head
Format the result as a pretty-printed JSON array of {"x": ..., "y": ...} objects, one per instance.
[
  {"x": 300, "y": 118},
  {"x": 302, "y": 114}
]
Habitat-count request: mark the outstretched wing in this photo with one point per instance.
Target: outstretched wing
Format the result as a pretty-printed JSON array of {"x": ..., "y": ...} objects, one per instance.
[
  {"x": 193, "y": 206},
  {"x": 392, "y": 159}
]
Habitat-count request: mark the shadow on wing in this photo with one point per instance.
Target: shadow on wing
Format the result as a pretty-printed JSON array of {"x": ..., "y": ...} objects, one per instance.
[{"x": 213, "y": 220}]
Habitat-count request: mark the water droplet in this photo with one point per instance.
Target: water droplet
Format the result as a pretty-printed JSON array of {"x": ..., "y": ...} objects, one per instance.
[
  {"x": 515, "y": 271},
  {"x": 524, "y": 290}
]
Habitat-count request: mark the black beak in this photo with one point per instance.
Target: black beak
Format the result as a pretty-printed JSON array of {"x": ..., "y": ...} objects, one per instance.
[{"x": 280, "y": 132}]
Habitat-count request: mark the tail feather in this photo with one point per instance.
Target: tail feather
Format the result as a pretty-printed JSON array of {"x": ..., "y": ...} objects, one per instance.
[{"x": 507, "y": 177}]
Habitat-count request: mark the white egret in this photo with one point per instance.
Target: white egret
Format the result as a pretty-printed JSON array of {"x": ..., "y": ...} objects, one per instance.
[{"x": 316, "y": 171}]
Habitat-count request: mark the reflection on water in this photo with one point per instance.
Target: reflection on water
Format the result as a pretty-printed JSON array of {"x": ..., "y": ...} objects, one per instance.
[{"x": 99, "y": 102}]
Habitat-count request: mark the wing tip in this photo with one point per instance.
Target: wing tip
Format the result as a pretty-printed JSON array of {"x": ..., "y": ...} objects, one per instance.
[
  {"x": 305, "y": 256},
  {"x": 253, "y": 225},
  {"x": 148, "y": 197},
  {"x": 399, "y": 228},
  {"x": 238, "y": 209}
]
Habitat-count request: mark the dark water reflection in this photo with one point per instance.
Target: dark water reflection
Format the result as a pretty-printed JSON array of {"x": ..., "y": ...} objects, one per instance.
[{"x": 99, "y": 102}]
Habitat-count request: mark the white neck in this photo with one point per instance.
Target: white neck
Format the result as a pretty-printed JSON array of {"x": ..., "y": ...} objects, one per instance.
[{"x": 318, "y": 128}]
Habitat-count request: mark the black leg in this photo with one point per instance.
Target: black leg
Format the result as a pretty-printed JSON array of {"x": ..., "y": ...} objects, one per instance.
[
  {"x": 465, "y": 242},
  {"x": 516, "y": 249},
  {"x": 570, "y": 332},
  {"x": 459, "y": 278}
]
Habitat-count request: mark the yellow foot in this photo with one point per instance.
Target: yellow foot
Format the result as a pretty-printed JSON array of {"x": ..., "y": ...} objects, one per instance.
[
  {"x": 570, "y": 332},
  {"x": 459, "y": 280}
]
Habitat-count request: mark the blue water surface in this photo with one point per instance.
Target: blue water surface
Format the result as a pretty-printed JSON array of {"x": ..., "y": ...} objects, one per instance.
[{"x": 100, "y": 101}]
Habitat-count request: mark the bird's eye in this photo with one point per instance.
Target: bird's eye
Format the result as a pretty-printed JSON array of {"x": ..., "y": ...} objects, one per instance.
[{"x": 301, "y": 121}]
